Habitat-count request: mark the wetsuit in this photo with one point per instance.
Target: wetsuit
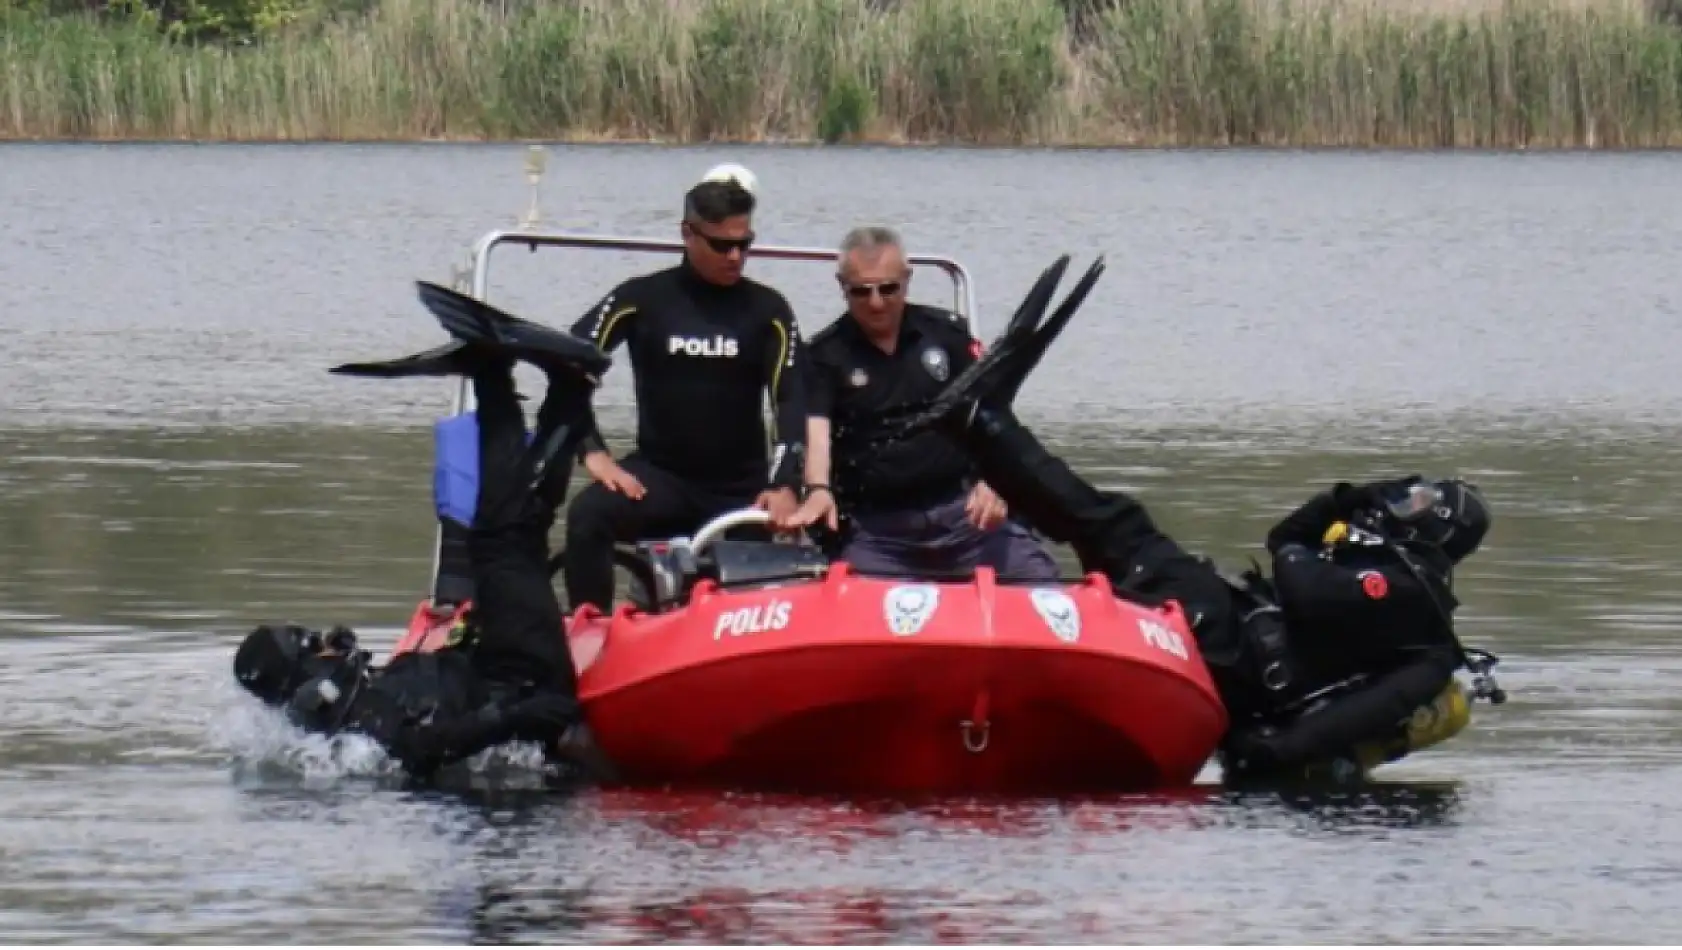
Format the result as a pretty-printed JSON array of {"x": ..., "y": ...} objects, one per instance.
[
  {"x": 702, "y": 356},
  {"x": 1357, "y": 607},
  {"x": 512, "y": 676},
  {"x": 1243, "y": 634},
  {"x": 1397, "y": 638}
]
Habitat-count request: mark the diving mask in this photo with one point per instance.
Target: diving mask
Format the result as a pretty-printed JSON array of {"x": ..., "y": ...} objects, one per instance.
[{"x": 1450, "y": 514}]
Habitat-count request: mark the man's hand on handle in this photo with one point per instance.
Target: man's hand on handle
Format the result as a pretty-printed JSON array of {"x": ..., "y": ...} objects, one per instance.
[
  {"x": 781, "y": 503},
  {"x": 819, "y": 506}
]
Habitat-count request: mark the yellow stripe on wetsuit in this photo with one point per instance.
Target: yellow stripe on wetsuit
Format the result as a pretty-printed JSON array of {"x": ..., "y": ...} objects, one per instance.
[
  {"x": 777, "y": 377},
  {"x": 604, "y": 329}
]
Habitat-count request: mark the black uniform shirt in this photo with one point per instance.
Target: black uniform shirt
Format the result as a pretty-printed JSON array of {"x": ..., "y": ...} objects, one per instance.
[
  {"x": 702, "y": 357},
  {"x": 851, "y": 382}
]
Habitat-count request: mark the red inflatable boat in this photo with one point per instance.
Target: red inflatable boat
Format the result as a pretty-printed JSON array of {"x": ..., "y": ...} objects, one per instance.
[{"x": 759, "y": 665}]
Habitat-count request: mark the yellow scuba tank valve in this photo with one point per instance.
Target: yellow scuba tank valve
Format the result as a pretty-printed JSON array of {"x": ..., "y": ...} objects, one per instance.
[{"x": 1337, "y": 533}]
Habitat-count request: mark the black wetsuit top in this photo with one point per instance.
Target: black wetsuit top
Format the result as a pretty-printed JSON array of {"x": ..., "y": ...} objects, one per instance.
[
  {"x": 1362, "y": 609},
  {"x": 427, "y": 710},
  {"x": 703, "y": 356}
]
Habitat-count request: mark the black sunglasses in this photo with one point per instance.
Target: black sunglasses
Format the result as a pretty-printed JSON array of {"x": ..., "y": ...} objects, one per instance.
[
  {"x": 722, "y": 245},
  {"x": 861, "y": 291}
]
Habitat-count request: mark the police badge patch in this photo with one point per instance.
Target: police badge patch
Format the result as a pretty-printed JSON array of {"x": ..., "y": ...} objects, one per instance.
[
  {"x": 1059, "y": 612},
  {"x": 934, "y": 360},
  {"x": 909, "y": 607}
]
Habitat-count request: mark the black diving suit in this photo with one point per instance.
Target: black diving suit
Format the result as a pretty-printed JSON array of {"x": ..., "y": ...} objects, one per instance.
[
  {"x": 1377, "y": 615},
  {"x": 510, "y": 676}
]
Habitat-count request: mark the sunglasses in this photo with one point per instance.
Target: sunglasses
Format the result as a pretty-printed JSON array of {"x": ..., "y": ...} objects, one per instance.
[
  {"x": 723, "y": 245},
  {"x": 861, "y": 291}
]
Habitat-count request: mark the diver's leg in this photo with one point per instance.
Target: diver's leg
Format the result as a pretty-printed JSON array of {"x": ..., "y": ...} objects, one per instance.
[
  {"x": 1111, "y": 532},
  {"x": 521, "y": 639},
  {"x": 522, "y": 642}
]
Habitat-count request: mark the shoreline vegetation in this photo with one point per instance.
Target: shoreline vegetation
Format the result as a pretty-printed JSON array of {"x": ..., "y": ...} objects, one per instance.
[{"x": 1492, "y": 74}]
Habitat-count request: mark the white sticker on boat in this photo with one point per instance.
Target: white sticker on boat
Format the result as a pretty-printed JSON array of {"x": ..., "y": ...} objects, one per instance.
[
  {"x": 909, "y": 607},
  {"x": 1163, "y": 639},
  {"x": 761, "y": 618},
  {"x": 1059, "y": 612}
]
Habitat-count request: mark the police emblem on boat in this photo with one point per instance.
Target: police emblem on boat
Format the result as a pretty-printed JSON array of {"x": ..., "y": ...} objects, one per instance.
[
  {"x": 909, "y": 608},
  {"x": 934, "y": 360},
  {"x": 1059, "y": 612}
]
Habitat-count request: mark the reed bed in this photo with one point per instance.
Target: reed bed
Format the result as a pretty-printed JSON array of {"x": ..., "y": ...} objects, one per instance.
[{"x": 1425, "y": 73}]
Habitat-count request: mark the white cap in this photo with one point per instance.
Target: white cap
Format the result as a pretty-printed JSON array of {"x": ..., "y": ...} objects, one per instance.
[{"x": 730, "y": 171}]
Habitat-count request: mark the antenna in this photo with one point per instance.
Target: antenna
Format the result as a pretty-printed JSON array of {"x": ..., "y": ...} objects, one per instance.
[{"x": 536, "y": 161}]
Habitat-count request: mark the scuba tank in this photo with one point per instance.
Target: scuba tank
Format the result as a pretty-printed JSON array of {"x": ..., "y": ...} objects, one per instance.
[{"x": 1434, "y": 723}]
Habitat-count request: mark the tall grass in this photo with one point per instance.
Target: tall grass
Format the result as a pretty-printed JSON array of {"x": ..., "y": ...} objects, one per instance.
[{"x": 1284, "y": 72}]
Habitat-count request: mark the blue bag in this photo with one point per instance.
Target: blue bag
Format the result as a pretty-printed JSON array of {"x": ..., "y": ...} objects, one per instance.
[{"x": 455, "y": 472}]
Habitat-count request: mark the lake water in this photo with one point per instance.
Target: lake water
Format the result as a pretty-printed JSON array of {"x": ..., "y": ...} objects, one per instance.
[{"x": 176, "y": 466}]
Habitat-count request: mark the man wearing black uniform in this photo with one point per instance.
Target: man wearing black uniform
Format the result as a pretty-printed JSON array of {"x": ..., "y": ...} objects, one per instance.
[
  {"x": 510, "y": 676},
  {"x": 915, "y": 506},
  {"x": 706, "y": 343},
  {"x": 1380, "y": 610}
]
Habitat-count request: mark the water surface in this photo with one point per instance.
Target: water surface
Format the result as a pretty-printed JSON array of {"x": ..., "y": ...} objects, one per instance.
[{"x": 175, "y": 466}]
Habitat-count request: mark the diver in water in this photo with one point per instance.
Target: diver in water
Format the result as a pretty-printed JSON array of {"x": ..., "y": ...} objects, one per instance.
[
  {"x": 510, "y": 674},
  {"x": 1376, "y": 611}
]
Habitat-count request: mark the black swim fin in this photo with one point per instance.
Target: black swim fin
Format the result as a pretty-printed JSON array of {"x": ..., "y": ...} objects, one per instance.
[
  {"x": 480, "y": 324},
  {"x": 1028, "y": 355},
  {"x": 1028, "y": 313},
  {"x": 450, "y": 359},
  {"x": 997, "y": 376}
]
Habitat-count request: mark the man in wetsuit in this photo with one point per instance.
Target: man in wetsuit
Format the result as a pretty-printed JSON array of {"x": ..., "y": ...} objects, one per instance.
[
  {"x": 1382, "y": 611},
  {"x": 706, "y": 343},
  {"x": 916, "y": 506},
  {"x": 510, "y": 675}
]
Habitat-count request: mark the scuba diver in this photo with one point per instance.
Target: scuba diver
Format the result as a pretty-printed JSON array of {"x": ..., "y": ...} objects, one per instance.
[
  {"x": 509, "y": 674},
  {"x": 1352, "y": 635}
]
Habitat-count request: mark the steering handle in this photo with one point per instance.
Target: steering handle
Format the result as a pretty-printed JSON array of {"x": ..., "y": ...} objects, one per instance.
[{"x": 711, "y": 531}]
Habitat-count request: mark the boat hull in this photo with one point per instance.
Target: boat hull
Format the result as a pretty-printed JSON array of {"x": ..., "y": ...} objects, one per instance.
[{"x": 867, "y": 685}]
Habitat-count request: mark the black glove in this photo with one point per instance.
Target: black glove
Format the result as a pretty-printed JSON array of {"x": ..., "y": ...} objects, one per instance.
[{"x": 543, "y": 715}]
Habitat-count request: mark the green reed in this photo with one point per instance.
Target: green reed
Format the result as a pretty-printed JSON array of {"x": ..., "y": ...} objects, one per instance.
[{"x": 1188, "y": 72}]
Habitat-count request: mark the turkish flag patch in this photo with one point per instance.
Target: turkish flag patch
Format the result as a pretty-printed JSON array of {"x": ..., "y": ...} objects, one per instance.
[
  {"x": 1373, "y": 584},
  {"x": 975, "y": 348}
]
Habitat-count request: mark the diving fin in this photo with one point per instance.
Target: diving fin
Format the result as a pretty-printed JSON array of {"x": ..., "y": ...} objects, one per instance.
[
  {"x": 1029, "y": 355},
  {"x": 998, "y": 375},
  {"x": 446, "y": 360},
  {"x": 480, "y": 324},
  {"x": 1032, "y": 308},
  {"x": 978, "y": 376}
]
